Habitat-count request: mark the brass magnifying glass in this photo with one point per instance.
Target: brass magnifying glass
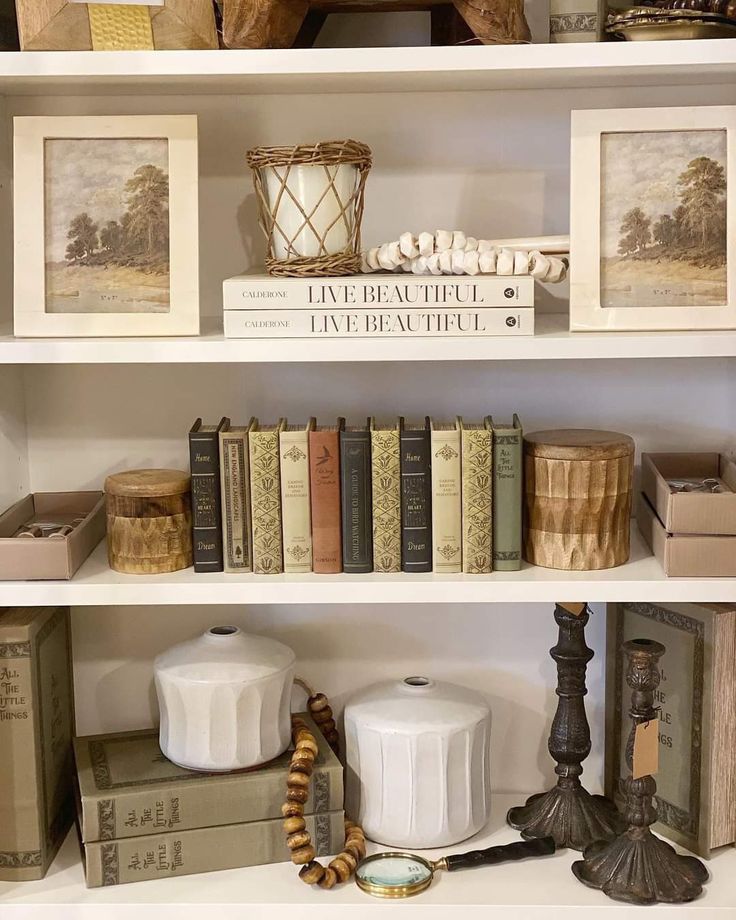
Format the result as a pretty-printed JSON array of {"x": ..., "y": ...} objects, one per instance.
[{"x": 401, "y": 875}]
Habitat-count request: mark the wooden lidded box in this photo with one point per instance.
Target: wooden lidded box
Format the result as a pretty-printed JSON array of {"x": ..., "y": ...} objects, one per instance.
[
  {"x": 149, "y": 521},
  {"x": 577, "y": 498}
]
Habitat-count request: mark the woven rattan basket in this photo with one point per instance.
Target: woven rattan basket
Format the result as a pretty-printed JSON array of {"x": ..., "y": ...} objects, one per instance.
[{"x": 310, "y": 200}]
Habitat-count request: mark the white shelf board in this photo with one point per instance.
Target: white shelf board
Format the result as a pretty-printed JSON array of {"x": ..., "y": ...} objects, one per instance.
[
  {"x": 552, "y": 341},
  {"x": 641, "y": 579},
  {"x": 542, "y": 889},
  {"x": 347, "y": 70}
]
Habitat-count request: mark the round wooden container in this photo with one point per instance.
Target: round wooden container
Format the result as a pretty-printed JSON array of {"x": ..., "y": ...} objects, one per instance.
[
  {"x": 149, "y": 521},
  {"x": 577, "y": 498}
]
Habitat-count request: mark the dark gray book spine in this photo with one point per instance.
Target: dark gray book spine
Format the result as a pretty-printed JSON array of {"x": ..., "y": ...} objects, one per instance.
[
  {"x": 357, "y": 511},
  {"x": 204, "y": 461},
  {"x": 416, "y": 501}
]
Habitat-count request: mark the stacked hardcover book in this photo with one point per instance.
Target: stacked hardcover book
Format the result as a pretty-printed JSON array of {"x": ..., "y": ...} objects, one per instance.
[
  {"x": 143, "y": 817},
  {"x": 435, "y": 496},
  {"x": 375, "y": 306}
]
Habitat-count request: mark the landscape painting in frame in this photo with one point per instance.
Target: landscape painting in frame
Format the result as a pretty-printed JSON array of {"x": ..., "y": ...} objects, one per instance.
[
  {"x": 663, "y": 219},
  {"x": 106, "y": 225}
]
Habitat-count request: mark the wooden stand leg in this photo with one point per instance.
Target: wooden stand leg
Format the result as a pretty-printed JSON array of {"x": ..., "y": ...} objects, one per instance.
[
  {"x": 496, "y": 22},
  {"x": 310, "y": 29},
  {"x": 262, "y": 23},
  {"x": 449, "y": 27}
]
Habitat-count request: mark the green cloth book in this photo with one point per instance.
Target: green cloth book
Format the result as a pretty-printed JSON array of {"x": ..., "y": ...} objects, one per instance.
[
  {"x": 209, "y": 849},
  {"x": 36, "y": 719},
  {"x": 127, "y": 788},
  {"x": 507, "y": 482}
]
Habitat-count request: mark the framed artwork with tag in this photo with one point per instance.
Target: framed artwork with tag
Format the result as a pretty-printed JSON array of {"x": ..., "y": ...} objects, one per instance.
[
  {"x": 696, "y": 700},
  {"x": 115, "y": 25}
]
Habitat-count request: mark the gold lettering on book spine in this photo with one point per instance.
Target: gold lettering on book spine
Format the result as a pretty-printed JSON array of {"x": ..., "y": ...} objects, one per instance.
[
  {"x": 266, "y": 502},
  {"x": 386, "y": 477},
  {"x": 477, "y": 501}
]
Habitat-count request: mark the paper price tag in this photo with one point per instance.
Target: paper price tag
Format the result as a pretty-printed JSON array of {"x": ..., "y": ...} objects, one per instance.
[
  {"x": 574, "y": 608},
  {"x": 646, "y": 749}
]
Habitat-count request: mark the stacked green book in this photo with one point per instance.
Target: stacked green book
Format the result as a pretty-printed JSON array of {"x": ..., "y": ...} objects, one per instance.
[{"x": 142, "y": 817}]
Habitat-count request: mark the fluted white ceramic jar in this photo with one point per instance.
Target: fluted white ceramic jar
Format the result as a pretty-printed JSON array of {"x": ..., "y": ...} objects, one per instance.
[
  {"x": 225, "y": 700},
  {"x": 418, "y": 772}
]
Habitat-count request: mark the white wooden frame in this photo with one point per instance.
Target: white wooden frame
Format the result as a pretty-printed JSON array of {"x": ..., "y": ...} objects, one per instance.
[
  {"x": 586, "y": 312},
  {"x": 31, "y": 318}
]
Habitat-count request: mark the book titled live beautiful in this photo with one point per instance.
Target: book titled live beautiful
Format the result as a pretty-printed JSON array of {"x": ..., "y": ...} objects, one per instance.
[
  {"x": 264, "y": 292},
  {"x": 36, "y": 725},
  {"x": 324, "y": 484},
  {"x": 127, "y": 788}
]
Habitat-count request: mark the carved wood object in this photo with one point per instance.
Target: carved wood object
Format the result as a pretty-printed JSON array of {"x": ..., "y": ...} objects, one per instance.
[
  {"x": 149, "y": 521},
  {"x": 577, "y": 498},
  {"x": 296, "y": 23}
]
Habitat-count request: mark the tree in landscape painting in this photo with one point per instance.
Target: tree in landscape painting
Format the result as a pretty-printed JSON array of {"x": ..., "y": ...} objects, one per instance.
[
  {"x": 696, "y": 230},
  {"x": 82, "y": 236}
]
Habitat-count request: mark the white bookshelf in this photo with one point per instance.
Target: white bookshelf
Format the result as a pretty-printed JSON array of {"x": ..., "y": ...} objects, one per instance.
[
  {"x": 463, "y": 137},
  {"x": 552, "y": 341},
  {"x": 503, "y": 892}
]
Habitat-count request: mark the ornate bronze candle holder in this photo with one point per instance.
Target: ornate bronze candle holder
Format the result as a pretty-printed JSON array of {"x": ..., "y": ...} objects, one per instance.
[
  {"x": 568, "y": 812},
  {"x": 637, "y": 866}
]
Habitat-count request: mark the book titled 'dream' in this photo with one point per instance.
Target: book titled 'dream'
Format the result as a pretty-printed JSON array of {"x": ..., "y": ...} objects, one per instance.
[
  {"x": 410, "y": 322},
  {"x": 263, "y": 292}
]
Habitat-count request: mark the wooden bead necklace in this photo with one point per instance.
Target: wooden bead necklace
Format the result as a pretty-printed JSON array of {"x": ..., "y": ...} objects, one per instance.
[{"x": 298, "y": 838}]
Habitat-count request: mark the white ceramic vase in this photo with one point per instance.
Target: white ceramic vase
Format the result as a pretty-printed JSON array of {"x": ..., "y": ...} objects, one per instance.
[
  {"x": 309, "y": 184},
  {"x": 225, "y": 700},
  {"x": 418, "y": 762}
]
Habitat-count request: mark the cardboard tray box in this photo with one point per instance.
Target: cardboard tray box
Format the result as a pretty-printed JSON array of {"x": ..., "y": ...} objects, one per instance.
[
  {"x": 690, "y": 512},
  {"x": 24, "y": 559},
  {"x": 694, "y": 555}
]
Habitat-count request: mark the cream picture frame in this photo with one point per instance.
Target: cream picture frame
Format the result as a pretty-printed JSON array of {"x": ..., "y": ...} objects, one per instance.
[
  {"x": 60, "y": 293},
  {"x": 595, "y": 195}
]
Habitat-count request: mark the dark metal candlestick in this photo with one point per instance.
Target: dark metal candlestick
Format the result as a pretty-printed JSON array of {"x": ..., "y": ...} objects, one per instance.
[
  {"x": 568, "y": 812},
  {"x": 637, "y": 866}
]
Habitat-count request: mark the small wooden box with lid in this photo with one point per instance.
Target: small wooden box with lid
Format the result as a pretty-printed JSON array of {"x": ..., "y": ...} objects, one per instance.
[
  {"x": 149, "y": 521},
  {"x": 577, "y": 498}
]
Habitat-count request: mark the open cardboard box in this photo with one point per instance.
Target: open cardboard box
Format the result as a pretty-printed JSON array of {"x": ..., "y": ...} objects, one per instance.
[
  {"x": 688, "y": 554},
  {"x": 28, "y": 559},
  {"x": 690, "y": 512}
]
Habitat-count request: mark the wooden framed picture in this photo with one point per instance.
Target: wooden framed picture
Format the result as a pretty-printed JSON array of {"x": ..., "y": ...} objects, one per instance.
[
  {"x": 652, "y": 219},
  {"x": 115, "y": 25},
  {"x": 106, "y": 225},
  {"x": 696, "y": 781}
]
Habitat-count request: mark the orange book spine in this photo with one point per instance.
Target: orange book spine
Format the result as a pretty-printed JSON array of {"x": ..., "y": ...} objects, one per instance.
[{"x": 324, "y": 476}]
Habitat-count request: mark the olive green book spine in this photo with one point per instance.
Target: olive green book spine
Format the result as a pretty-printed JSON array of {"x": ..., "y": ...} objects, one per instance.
[
  {"x": 477, "y": 465},
  {"x": 36, "y": 718},
  {"x": 265, "y": 490},
  {"x": 127, "y": 788},
  {"x": 386, "y": 496},
  {"x": 507, "y": 483},
  {"x": 232, "y": 846}
]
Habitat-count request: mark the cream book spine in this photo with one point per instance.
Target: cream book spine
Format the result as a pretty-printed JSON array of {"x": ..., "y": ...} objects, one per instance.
[
  {"x": 446, "y": 499},
  {"x": 265, "y": 486},
  {"x": 477, "y": 498},
  {"x": 386, "y": 497},
  {"x": 235, "y": 498},
  {"x": 296, "y": 512}
]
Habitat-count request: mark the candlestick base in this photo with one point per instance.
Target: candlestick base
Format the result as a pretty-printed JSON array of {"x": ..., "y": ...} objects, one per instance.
[
  {"x": 570, "y": 814},
  {"x": 639, "y": 868}
]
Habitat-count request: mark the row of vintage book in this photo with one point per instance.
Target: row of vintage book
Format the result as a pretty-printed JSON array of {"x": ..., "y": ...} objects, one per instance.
[{"x": 434, "y": 496}]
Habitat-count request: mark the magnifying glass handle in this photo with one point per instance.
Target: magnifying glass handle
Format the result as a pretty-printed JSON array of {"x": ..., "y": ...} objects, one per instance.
[{"x": 541, "y": 846}]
